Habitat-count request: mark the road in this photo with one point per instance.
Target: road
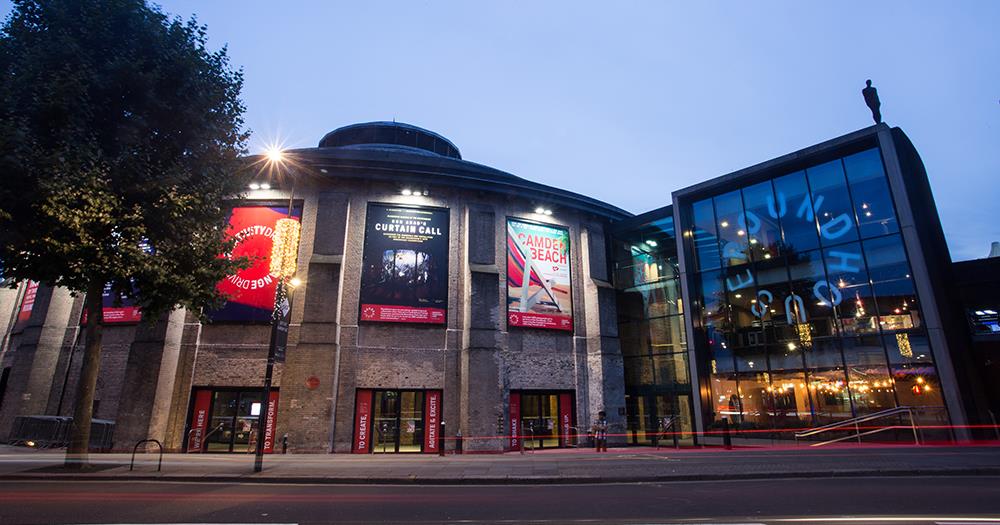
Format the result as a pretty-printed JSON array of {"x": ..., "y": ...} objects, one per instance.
[{"x": 910, "y": 500}]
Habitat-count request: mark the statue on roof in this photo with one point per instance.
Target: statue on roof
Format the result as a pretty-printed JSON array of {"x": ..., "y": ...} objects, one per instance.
[{"x": 871, "y": 98}]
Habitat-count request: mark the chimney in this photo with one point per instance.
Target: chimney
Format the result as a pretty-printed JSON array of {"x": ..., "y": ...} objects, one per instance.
[{"x": 994, "y": 249}]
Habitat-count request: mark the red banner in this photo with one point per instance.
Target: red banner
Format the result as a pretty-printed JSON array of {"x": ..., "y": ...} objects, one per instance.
[
  {"x": 270, "y": 420},
  {"x": 515, "y": 420},
  {"x": 432, "y": 415},
  {"x": 532, "y": 320},
  {"x": 402, "y": 314},
  {"x": 199, "y": 420},
  {"x": 362, "y": 422},
  {"x": 27, "y": 303},
  {"x": 565, "y": 418}
]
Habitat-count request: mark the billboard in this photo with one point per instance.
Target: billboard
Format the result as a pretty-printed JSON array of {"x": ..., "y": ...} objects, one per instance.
[
  {"x": 538, "y": 276},
  {"x": 404, "y": 276},
  {"x": 251, "y": 291},
  {"x": 27, "y": 304}
]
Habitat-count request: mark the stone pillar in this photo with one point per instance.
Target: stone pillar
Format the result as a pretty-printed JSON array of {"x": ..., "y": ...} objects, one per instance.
[{"x": 147, "y": 391}]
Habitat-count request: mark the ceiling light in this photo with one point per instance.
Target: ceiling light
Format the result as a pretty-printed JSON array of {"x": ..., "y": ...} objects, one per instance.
[
  {"x": 651, "y": 242},
  {"x": 548, "y": 212},
  {"x": 724, "y": 224},
  {"x": 540, "y": 210}
]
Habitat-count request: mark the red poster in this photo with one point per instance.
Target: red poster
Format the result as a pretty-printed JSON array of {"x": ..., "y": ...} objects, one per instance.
[
  {"x": 566, "y": 418},
  {"x": 432, "y": 407},
  {"x": 515, "y": 420},
  {"x": 27, "y": 303},
  {"x": 402, "y": 314},
  {"x": 362, "y": 422},
  {"x": 270, "y": 420},
  {"x": 199, "y": 420},
  {"x": 251, "y": 291}
]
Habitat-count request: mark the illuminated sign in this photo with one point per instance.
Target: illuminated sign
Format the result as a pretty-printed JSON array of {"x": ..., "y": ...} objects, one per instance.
[{"x": 539, "y": 291}]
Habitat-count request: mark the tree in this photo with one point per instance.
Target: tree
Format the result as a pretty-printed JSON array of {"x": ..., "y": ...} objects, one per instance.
[{"x": 121, "y": 139}]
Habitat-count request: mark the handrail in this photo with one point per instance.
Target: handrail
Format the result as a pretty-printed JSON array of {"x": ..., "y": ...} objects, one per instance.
[
  {"x": 204, "y": 440},
  {"x": 136, "y": 448},
  {"x": 855, "y": 422}
]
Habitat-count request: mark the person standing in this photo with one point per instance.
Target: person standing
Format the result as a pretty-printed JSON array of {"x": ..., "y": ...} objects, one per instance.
[{"x": 601, "y": 432}]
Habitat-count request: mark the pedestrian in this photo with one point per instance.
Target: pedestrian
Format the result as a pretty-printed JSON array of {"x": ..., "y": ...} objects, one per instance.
[{"x": 601, "y": 432}]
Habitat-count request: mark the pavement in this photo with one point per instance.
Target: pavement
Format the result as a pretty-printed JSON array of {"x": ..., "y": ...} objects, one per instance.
[{"x": 566, "y": 466}]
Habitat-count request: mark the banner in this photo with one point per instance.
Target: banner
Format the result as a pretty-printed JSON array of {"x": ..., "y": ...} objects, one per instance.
[
  {"x": 116, "y": 310},
  {"x": 199, "y": 420},
  {"x": 538, "y": 276},
  {"x": 251, "y": 291},
  {"x": 432, "y": 411},
  {"x": 270, "y": 420},
  {"x": 566, "y": 418},
  {"x": 404, "y": 278},
  {"x": 27, "y": 304},
  {"x": 362, "y": 422},
  {"x": 515, "y": 420}
]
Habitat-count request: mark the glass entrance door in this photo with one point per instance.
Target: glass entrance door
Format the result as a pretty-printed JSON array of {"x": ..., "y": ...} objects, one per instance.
[
  {"x": 540, "y": 419},
  {"x": 233, "y": 423},
  {"x": 650, "y": 416},
  {"x": 398, "y": 418}
]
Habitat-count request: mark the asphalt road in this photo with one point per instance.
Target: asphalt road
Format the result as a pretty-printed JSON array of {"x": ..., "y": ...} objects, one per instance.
[{"x": 908, "y": 500}]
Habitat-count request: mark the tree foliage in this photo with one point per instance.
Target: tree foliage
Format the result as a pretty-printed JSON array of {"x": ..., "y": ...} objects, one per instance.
[{"x": 121, "y": 137}]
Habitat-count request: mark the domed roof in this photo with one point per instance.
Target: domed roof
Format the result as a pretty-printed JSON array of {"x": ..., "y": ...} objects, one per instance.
[{"x": 393, "y": 134}]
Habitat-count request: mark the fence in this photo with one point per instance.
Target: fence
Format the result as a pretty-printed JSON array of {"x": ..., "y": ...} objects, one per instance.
[{"x": 53, "y": 432}]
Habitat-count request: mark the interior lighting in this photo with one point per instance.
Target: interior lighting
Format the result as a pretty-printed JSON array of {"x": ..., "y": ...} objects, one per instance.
[
  {"x": 767, "y": 256},
  {"x": 539, "y": 210},
  {"x": 791, "y": 346},
  {"x": 753, "y": 241},
  {"x": 548, "y": 212},
  {"x": 991, "y": 312},
  {"x": 254, "y": 186},
  {"x": 738, "y": 296},
  {"x": 265, "y": 186},
  {"x": 741, "y": 233},
  {"x": 407, "y": 192},
  {"x": 651, "y": 242},
  {"x": 980, "y": 312},
  {"x": 724, "y": 224}
]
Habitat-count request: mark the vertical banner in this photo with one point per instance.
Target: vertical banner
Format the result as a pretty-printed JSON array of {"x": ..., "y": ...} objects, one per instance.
[
  {"x": 280, "y": 330},
  {"x": 270, "y": 420},
  {"x": 432, "y": 407},
  {"x": 565, "y": 419},
  {"x": 362, "y": 421},
  {"x": 515, "y": 420},
  {"x": 199, "y": 419},
  {"x": 539, "y": 294},
  {"x": 250, "y": 291},
  {"x": 404, "y": 276},
  {"x": 27, "y": 303}
]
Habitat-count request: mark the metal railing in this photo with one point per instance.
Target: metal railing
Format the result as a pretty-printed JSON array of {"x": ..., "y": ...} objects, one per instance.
[
  {"x": 159, "y": 464},
  {"x": 856, "y": 424}
]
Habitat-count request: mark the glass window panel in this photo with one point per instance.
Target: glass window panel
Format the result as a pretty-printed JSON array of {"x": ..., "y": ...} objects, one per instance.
[
  {"x": 670, "y": 368},
  {"x": 725, "y": 399},
  {"x": 906, "y": 347},
  {"x": 659, "y": 299},
  {"x": 785, "y": 357},
  {"x": 871, "y": 388},
  {"x": 824, "y": 353},
  {"x": 666, "y": 334},
  {"x": 739, "y": 283},
  {"x": 864, "y": 351},
  {"x": 638, "y": 371},
  {"x": 714, "y": 314},
  {"x": 886, "y": 259},
  {"x": 870, "y": 189},
  {"x": 705, "y": 237},
  {"x": 632, "y": 339},
  {"x": 769, "y": 303},
  {"x": 761, "y": 225},
  {"x": 851, "y": 293},
  {"x": 917, "y": 385},
  {"x": 897, "y": 306},
  {"x": 790, "y": 398},
  {"x": 756, "y": 401},
  {"x": 793, "y": 205},
  {"x": 753, "y": 359},
  {"x": 832, "y": 203},
  {"x": 811, "y": 306},
  {"x": 830, "y": 397},
  {"x": 732, "y": 234}
]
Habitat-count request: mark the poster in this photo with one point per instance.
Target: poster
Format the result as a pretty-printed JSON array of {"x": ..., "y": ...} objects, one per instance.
[
  {"x": 538, "y": 276},
  {"x": 27, "y": 304},
  {"x": 116, "y": 310},
  {"x": 404, "y": 277},
  {"x": 251, "y": 291}
]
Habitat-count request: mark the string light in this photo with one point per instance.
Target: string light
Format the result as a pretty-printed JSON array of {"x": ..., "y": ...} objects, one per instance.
[{"x": 284, "y": 251}]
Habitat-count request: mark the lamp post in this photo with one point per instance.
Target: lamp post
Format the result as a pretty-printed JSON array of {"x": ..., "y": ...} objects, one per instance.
[{"x": 284, "y": 260}]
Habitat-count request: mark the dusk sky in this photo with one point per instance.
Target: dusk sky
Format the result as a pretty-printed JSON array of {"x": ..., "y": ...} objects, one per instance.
[{"x": 626, "y": 102}]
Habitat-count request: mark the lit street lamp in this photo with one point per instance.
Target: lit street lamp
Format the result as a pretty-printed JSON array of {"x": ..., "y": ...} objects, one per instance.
[{"x": 284, "y": 260}]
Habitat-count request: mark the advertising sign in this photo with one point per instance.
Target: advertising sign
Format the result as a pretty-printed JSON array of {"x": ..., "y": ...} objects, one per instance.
[
  {"x": 432, "y": 407},
  {"x": 515, "y": 420},
  {"x": 119, "y": 309},
  {"x": 566, "y": 418},
  {"x": 538, "y": 276},
  {"x": 27, "y": 303},
  {"x": 251, "y": 291},
  {"x": 404, "y": 277},
  {"x": 270, "y": 419},
  {"x": 362, "y": 422}
]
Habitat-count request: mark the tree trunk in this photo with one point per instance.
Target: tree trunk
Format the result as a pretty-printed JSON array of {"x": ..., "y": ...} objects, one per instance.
[{"x": 79, "y": 438}]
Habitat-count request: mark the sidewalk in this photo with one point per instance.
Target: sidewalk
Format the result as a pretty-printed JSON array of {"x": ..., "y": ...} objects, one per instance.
[{"x": 557, "y": 466}]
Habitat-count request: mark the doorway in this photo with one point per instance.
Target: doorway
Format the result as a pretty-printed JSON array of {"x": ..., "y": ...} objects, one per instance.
[
  {"x": 226, "y": 420},
  {"x": 653, "y": 419},
  {"x": 545, "y": 417},
  {"x": 394, "y": 421}
]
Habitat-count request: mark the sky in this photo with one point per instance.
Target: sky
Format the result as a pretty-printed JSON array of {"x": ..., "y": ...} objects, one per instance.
[{"x": 628, "y": 101}]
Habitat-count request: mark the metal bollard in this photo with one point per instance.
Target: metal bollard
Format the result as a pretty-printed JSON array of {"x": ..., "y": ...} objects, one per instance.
[
  {"x": 284, "y": 444},
  {"x": 727, "y": 440},
  {"x": 441, "y": 440},
  {"x": 458, "y": 442}
]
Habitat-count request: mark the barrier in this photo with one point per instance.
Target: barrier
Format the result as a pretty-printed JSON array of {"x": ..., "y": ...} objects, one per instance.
[
  {"x": 53, "y": 432},
  {"x": 159, "y": 464}
]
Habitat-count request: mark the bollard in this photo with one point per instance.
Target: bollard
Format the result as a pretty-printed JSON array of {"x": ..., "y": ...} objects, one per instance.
[
  {"x": 727, "y": 440},
  {"x": 458, "y": 442},
  {"x": 441, "y": 440},
  {"x": 284, "y": 444}
]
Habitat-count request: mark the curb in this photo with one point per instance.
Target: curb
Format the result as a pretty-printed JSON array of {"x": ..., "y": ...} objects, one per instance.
[{"x": 525, "y": 480}]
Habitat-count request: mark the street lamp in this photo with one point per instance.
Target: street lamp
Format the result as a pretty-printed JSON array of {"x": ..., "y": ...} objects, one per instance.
[{"x": 284, "y": 260}]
